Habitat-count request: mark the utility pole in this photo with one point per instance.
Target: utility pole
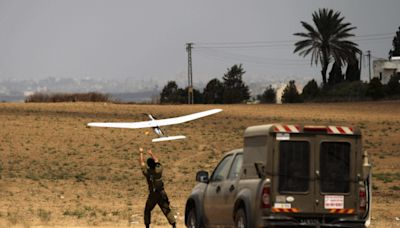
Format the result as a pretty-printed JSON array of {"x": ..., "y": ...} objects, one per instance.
[
  {"x": 369, "y": 63},
  {"x": 190, "y": 75}
]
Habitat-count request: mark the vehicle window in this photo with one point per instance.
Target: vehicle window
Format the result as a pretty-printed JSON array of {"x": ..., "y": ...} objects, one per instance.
[
  {"x": 237, "y": 165},
  {"x": 222, "y": 169},
  {"x": 294, "y": 166},
  {"x": 335, "y": 167}
]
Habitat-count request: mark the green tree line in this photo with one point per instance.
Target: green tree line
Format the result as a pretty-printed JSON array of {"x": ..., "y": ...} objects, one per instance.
[{"x": 231, "y": 90}]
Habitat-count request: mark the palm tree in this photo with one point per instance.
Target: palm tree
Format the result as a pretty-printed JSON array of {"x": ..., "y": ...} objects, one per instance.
[{"x": 327, "y": 41}]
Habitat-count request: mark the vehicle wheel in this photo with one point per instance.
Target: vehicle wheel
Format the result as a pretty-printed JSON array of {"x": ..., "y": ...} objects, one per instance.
[
  {"x": 240, "y": 219},
  {"x": 192, "y": 221}
]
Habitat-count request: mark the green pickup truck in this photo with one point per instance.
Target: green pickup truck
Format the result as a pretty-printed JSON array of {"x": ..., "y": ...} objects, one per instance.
[{"x": 286, "y": 176}]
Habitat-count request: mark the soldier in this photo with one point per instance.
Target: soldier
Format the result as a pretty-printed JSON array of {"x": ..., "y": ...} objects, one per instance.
[{"x": 157, "y": 195}]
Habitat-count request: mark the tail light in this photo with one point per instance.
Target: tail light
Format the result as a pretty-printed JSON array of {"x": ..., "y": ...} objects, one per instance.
[
  {"x": 266, "y": 197},
  {"x": 363, "y": 200}
]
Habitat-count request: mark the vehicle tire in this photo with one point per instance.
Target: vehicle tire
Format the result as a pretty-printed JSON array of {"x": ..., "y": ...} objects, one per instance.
[
  {"x": 192, "y": 219},
  {"x": 241, "y": 219}
]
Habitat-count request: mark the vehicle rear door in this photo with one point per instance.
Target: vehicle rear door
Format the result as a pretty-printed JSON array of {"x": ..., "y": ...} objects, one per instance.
[
  {"x": 293, "y": 175},
  {"x": 336, "y": 182}
]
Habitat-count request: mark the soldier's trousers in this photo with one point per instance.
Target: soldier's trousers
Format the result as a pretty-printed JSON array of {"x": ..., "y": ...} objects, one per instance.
[{"x": 160, "y": 198}]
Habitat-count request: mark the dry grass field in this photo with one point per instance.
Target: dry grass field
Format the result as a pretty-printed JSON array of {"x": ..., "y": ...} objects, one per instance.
[{"x": 58, "y": 172}]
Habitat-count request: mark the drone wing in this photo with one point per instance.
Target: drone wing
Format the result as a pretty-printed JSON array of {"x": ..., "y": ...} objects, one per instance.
[
  {"x": 183, "y": 119},
  {"x": 143, "y": 124},
  {"x": 157, "y": 123},
  {"x": 168, "y": 138}
]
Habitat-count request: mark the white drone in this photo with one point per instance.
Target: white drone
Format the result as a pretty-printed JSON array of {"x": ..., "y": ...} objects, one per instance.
[{"x": 156, "y": 124}]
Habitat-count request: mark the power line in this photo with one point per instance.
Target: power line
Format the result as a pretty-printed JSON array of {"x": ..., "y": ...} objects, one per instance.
[
  {"x": 375, "y": 38},
  {"x": 213, "y": 49},
  {"x": 243, "y": 59},
  {"x": 243, "y": 46},
  {"x": 247, "y": 42},
  {"x": 252, "y": 64},
  {"x": 282, "y": 43},
  {"x": 252, "y": 58},
  {"x": 377, "y": 34},
  {"x": 375, "y": 57}
]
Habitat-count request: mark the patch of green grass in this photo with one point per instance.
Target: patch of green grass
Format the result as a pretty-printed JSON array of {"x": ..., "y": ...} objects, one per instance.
[
  {"x": 13, "y": 217},
  {"x": 101, "y": 178},
  {"x": 32, "y": 176},
  {"x": 44, "y": 215},
  {"x": 395, "y": 188},
  {"x": 387, "y": 177},
  {"x": 79, "y": 213},
  {"x": 81, "y": 177}
]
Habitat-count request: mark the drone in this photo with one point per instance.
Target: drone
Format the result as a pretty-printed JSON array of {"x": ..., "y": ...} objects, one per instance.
[{"x": 157, "y": 123}]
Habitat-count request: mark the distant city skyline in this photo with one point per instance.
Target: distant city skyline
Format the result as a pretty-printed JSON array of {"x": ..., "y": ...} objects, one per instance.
[{"x": 135, "y": 40}]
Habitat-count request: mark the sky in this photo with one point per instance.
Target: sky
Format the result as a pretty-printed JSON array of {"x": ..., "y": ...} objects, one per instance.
[{"x": 139, "y": 40}]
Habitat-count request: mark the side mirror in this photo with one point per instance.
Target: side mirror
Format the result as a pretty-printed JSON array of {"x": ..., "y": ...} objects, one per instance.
[{"x": 202, "y": 177}]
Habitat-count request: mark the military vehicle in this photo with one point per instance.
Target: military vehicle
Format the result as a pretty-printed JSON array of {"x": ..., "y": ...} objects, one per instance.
[{"x": 286, "y": 175}]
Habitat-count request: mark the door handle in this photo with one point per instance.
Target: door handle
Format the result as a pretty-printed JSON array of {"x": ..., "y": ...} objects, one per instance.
[
  {"x": 232, "y": 188},
  {"x": 218, "y": 189}
]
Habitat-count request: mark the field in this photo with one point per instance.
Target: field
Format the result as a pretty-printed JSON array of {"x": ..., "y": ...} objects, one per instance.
[{"x": 57, "y": 172}]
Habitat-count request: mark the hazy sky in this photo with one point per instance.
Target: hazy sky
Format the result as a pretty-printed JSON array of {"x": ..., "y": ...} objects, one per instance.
[{"x": 146, "y": 39}]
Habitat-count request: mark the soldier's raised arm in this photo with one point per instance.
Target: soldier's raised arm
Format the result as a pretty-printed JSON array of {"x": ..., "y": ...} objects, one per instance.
[
  {"x": 141, "y": 160},
  {"x": 152, "y": 155}
]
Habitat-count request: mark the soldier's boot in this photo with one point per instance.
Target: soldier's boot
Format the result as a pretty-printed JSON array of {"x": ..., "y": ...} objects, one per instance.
[
  {"x": 173, "y": 225},
  {"x": 147, "y": 225}
]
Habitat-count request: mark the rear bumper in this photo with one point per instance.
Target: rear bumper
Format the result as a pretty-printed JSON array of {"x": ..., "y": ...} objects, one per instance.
[{"x": 280, "y": 221}]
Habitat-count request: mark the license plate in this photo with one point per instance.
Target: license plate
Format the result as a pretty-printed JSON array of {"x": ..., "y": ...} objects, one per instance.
[{"x": 309, "y": 221}]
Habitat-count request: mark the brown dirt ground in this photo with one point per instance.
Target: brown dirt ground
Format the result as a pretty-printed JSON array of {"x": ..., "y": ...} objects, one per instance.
[{"x": 57, "y": 172}]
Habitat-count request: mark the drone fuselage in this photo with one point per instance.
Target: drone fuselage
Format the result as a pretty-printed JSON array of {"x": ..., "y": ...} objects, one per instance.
[{"x": 158, "y": 131}]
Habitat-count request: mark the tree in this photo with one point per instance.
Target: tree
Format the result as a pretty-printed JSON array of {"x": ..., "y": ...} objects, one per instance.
[
  {"x": 336, "y": 76},
  {"x": 170, "y": 93},
  {"x": 393, "y": 86},
  {"x": 375, "y": 89},
  {"x": 290, "y": 93},
  {"x": 327, "y": 41},
  {"x": 235, "y": 91},
  {"x": 353, "y": 71},
  {"x": 396, "y": 45},
  {"x": 213, "y": 92},
  {"x": 182, "y": 97},
  {"x": 269, "y": 95},
  {"x": 310, "y": 91}
]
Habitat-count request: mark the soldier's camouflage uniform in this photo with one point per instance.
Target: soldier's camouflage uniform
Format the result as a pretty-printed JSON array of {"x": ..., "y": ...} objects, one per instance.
[{"x": 157, "y": 194}]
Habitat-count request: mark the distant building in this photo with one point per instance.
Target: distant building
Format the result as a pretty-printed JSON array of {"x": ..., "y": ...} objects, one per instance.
[{"x": 384, "y": 68}]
